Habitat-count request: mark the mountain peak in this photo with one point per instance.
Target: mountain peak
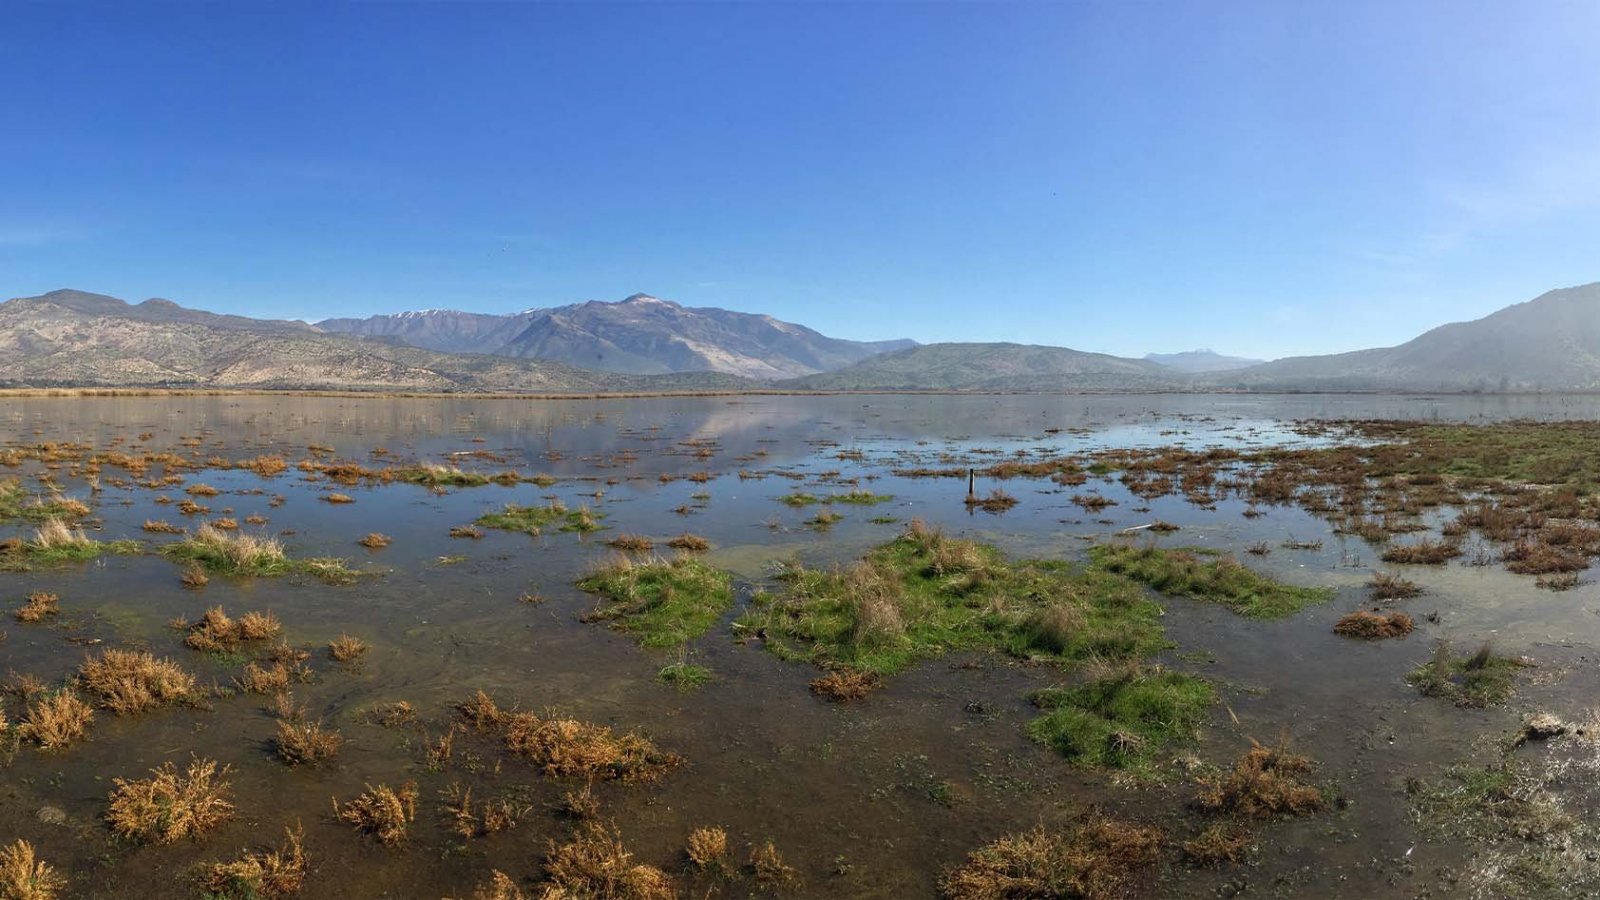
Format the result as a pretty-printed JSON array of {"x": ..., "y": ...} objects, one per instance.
[
  {"x": 1202, "y": 360},
  {"x": 646, "y": 298}
]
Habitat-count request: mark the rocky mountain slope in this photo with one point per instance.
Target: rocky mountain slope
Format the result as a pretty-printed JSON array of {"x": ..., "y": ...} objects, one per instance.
[
  {"x": 81, "y": 339},
  {"x": 641, "y": 335}
]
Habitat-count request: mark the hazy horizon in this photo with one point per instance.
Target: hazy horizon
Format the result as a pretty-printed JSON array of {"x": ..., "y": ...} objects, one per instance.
[{"x": 1263, "y": 179}]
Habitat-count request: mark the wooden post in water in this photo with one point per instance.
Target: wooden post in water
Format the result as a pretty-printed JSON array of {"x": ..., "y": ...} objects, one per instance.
[{"x": 972, "y": 484}]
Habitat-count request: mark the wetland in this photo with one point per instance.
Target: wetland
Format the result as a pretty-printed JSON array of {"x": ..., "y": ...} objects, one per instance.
[{"x": 1179, "y": 646}]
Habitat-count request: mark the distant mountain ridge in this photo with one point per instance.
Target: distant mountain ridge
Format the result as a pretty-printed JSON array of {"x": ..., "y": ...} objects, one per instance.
[
  {"x": 1201, "y": 361},
  {"x": 641, "y": 335},
  {"x": 1549, "y": 343},
  {"x": 995, "y": 367}
]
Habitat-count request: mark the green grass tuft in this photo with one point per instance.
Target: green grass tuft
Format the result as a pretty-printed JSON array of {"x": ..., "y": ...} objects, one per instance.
[
  {"x": 662, "y": 603},
  {"x": 1121, "y": 721},
  {"x": 924, "y": 594},
  {"x": 1206, "y": 575}
]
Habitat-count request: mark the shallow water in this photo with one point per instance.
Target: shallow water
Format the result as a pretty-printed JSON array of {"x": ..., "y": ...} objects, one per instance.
[{"x": 872, "y": 799}]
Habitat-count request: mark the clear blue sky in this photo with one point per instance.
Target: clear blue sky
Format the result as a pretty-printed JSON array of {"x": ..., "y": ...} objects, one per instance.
[{"x": 1261, "y": 178}]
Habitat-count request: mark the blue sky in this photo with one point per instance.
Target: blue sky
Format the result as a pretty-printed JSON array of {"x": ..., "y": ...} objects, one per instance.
[{"x": 1262, "y": 178}]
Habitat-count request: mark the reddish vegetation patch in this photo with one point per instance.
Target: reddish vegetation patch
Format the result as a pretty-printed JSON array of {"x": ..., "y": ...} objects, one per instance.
[{"x": 1374, "y": 625}]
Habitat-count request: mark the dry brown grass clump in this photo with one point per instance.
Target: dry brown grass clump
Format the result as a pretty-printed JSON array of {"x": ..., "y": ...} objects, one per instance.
[
  {"x": 301, "y": 741},
  {"x": 236, "y": 552},
  {"x": 396, "y": 714},
  {"x": 382, "y": 811},
  {"x": 257, "y": 626},
  {"x": 375, "y": 541},
  {"x": 845, "y": 685},
  {"x": 129, "y": 681},
  {"x": 194, "y": 578},
  {"x": 155, "y": 526},
  {"x": 1389, "y": 586},
  {"x": 1421, "y": 553},
  {"x": 501, "y": 887},
  {"x": 567, "y": 747},
  {"x": 466, "y": 531},
  {"x": 594, "y": 864},
  {"x": 1264, "y": 783},
  {"x": 768, "y": 868},
  {"x": 1554, "y": 553},
  {"x": 346, "y": 648},
  {"x": 1374, "y": 625},
  {"x": 55, "y": 534},
  {"x": 168, "y": 806},
  {"x": 998, "y": 501},
  {"x": 470, "y": 820},
  {"x": 1092, "y": 861},
  {"x": 708, "y": 849},
  {"x": 259, "y": 679},
  {"x": 1219, "y": 843},
  {"x": 273, "y": 873},
  {"x": 23, "y": 876},
  {"x": 692, "y": 543},
  {"x": 215, "y": 632},
  {"x": 580, "y": 804},
  {"x": 202, "y": 490},
  {"x": 56, "y": 721},
  {"x": 40, "y": 604},
  {"x": 633, "y": 543}
]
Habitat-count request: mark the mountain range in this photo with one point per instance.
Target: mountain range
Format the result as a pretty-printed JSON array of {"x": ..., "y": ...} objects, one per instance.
[
  {"x": 641, "y": 335},
  {"x": 73, "y": 338}
]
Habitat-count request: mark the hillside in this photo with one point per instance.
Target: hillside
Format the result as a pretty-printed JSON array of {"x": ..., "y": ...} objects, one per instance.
[
  {"x": 81, "y": 339},
  {"x": 1549, "y": 343},
  {"x": 640, "y": 335},
  {"x": 995, "y": 367}
]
